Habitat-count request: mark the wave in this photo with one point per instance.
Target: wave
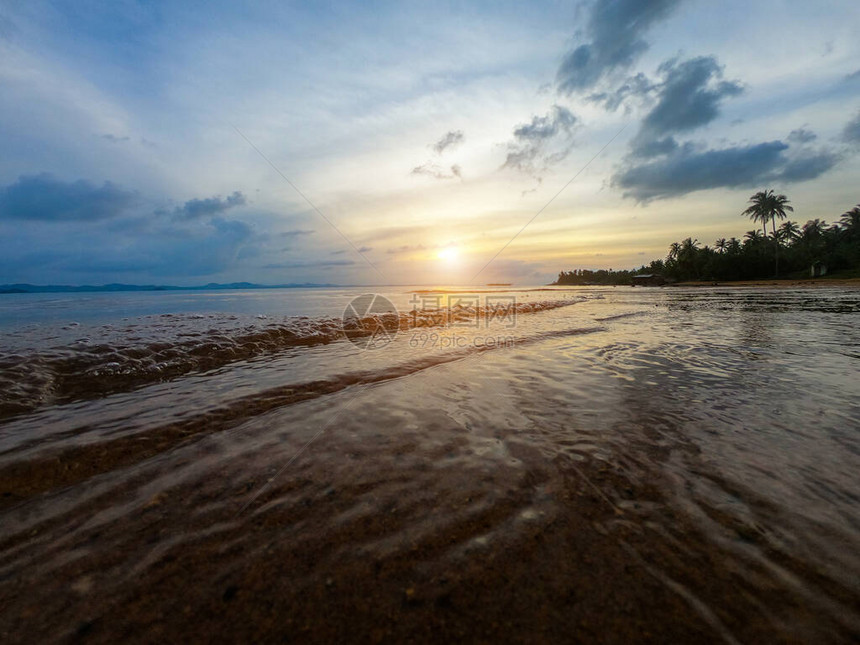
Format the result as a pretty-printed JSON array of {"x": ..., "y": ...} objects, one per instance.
[
  {"x": 179, "y": 345},
  {"x": 22, "y": 470}
]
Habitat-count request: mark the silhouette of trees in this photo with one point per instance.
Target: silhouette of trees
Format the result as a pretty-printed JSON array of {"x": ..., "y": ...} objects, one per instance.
[
  {"x": 789, "y": 232},
  {"x": 850, "y": 222},
  {"x": 837, "y": 246},
  {"x": 766, "y": 206}
]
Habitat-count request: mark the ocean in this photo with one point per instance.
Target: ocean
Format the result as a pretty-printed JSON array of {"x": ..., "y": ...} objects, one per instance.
[{"x": 597, "y": 464}]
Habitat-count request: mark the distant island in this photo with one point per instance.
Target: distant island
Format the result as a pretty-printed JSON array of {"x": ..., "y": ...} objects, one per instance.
[
  {"x": 788, "y": 251},
  {"x": 212, "y": 286}
]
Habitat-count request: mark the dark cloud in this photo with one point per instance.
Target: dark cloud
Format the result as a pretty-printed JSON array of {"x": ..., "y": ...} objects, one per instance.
[
  {"x": 543, "y": 142},
  {"x": 296, "y": 233},
  {"x": 43, "y": 197},
  {"x": 808, "y": 166},
  {"x": 451, "y": 140},
  {"x": 647, "y": 148},
  {"x": 635, "y": 86},
  {"x": 615, "y": 31},
  {"x": 197, "y": 208},
  {"x": 688, "y": 97},
  {"x": 92, "y": 251},
  {"x": 689, "y": 169},
  {"x": 216, "y": 247},
  {"x": 436, "y": 171},
  {"x": 851, "y": 132},
  {"x": 853, "y": 76},
  {"x": 802, "y": 135}
]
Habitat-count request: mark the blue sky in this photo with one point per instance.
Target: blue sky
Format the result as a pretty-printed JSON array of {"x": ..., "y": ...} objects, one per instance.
[{"x": 427, "y": 134}]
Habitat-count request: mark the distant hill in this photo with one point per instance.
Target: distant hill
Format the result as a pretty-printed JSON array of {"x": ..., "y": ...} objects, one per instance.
[{"x": 212, "y": 286}]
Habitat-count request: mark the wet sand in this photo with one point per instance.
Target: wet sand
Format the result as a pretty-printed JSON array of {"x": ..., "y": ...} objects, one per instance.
[
  {"x": 793, "y": 283},
  {"x": 645, "y": 466},
  {"x": 591, "y": 571}
]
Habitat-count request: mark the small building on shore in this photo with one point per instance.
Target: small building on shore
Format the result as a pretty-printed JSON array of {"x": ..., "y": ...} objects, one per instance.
[
  {"x": 817, "y": 269},
  {"x": 647, "y": 280}
]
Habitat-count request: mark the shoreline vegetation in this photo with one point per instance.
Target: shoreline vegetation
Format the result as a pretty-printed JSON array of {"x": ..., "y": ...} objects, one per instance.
[{"x": 790, "y": 254}]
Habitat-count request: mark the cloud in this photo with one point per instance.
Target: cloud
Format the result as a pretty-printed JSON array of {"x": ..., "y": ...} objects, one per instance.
[
  {"x": 802, "y": 135},
  {"x": 688, "y": 169},
  {"x": 406, "y": 248},
  {"x": 436, "y": 171},
  {"x": 451, "y": 140},
  {"x": 114, "y": 139},
  {"x": 361, "y": 249},
  {"x": 43, "y": 197},
  {"x": 635, "y": 86},
  {"x": 215, "y": 247},
  {"x": 92, "y": 251},
  {"x": 853, "y": 76},
  {"x": 196, "y": 208},
  {"x": 689, "y": 97},
  {"x": 543, "y": 142},
  {"x": 615, "y": 30},
  {"x": 851, "y": 132},
  {"x": 299, "y": 264},
  {"x": 296, "y": 232},
  {"x": 808, "y": 166}
]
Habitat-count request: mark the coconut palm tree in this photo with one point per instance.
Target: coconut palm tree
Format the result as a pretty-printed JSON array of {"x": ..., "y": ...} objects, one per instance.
[
  {"x": 687, "y": 256},
  {"x": 753, "y": 237},
  {"x": 813, "y": 229},
  {"x": 850, "y": 221},
  {"x": 789, "y": 231},
  {"x": 674, "y": 251},
  {"x": 721, "y": 245},
  {"x": 767, "y": 206}
]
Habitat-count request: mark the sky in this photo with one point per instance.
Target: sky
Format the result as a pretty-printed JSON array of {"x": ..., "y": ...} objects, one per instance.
[{"x": 410, "y": 143}]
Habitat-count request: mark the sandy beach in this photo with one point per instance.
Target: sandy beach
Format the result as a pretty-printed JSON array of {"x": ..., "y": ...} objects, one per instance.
[
  {"x": 616, "y": 473},
  {"x": 777, "y": 284}
]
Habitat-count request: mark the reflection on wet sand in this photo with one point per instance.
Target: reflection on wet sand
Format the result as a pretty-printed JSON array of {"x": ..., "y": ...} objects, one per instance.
[{"x": 641, "y": 467}]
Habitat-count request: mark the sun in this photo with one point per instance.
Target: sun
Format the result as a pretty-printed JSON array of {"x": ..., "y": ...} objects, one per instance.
[{"x": 449, "y": 254}]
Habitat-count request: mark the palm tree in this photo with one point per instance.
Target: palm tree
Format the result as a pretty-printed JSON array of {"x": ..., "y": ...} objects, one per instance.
[
  {"x": 766, "y": 206},
  {"x": 850, "y": 221},
  {"x": 721, "y": 245},
  {"x": 674, "y": 251},
  {"x": 813, "y": 229},
  {"x": 789, "y": 231},
  {"x": 753, "y": 238},
  {"x": 734, "y": 245},
  {"x": 687, "y": 256}
]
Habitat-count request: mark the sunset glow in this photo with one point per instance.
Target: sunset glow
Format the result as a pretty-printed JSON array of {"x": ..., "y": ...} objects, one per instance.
[{"x": 448, "y": 254}]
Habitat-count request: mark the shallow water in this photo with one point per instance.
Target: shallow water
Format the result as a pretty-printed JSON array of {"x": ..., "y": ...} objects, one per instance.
[{"x": 613, "y": 464}]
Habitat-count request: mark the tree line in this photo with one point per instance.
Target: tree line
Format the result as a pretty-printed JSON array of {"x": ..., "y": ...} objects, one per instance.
[{"x": 787, "y": 250}]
